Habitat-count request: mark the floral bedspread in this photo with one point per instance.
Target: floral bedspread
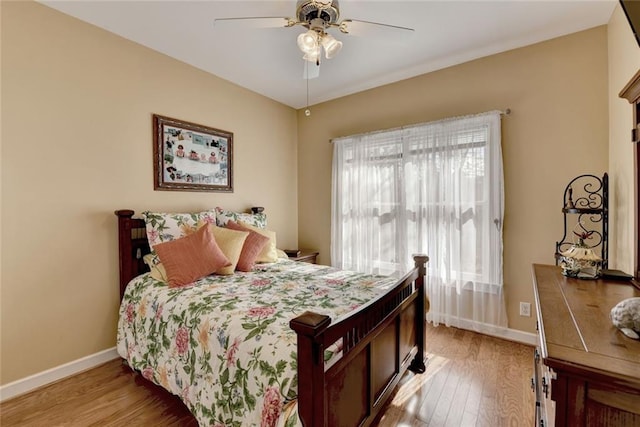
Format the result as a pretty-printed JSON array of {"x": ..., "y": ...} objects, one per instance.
[{"x": 224, "y": 345}]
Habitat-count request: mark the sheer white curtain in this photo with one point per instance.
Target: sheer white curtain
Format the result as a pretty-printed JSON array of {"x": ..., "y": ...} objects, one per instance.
[{"x": 433, "y": 188}]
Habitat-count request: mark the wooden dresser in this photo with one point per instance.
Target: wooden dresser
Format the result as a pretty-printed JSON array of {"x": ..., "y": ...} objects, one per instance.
[{"x": 587, "y": 373}]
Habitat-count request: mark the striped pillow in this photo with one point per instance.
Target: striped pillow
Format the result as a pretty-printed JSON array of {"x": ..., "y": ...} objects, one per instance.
[
  {"x": 190, "y": 258},
  {"x": 269, "y": 253},
  {"x": 253, "y": 246}
]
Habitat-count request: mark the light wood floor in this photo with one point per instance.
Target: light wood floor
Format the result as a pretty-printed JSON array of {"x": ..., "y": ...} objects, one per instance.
[{"x": 471, "y": 380}]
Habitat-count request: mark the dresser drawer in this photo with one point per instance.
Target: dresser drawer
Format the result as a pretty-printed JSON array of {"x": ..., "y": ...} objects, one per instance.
[{"x": 542, "y": 383}]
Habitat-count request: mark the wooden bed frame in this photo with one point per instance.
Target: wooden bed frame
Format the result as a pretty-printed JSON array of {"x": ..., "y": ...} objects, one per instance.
[{"x": 381, "y": 341}]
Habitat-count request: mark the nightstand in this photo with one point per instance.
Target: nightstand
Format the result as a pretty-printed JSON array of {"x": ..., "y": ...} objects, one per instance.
[{"x": 306, "y": 255}]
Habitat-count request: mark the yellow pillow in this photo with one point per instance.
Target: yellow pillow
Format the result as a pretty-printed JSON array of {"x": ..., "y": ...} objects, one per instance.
[
  {"x": 269, "y": 253},
  {"x": 231, "y": 243},
  {"x": 156, "y": 268}
]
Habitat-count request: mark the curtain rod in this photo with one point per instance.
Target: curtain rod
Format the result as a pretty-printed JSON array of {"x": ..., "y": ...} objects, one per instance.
[{"x": 505, "y": 112}]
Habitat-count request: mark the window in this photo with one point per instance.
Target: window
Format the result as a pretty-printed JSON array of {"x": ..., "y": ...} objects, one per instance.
[{"x": 434, "y": 188}]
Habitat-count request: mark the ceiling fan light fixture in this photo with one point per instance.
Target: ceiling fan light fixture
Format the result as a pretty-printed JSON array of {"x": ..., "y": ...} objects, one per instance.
[
  {"x": 317, "y": 17},
  {"x": 308, "y": 41},
  {"x": 331, "y": 46}
]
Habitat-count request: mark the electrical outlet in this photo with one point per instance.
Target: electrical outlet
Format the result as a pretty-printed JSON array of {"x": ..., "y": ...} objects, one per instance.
[{"x": 525, "y": 309}]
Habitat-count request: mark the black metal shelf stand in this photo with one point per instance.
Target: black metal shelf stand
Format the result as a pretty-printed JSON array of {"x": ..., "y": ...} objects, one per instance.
[{"x": 586, "y": 212}]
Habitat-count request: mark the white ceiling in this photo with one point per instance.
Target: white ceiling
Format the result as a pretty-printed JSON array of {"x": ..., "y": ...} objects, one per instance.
[{"x": 267, "y": 60}]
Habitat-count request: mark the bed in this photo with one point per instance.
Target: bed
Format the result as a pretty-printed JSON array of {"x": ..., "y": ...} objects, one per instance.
[{"x": 334, "y": 361}]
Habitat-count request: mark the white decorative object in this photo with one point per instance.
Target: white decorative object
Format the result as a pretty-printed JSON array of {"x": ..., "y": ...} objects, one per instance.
[
  {"x": 580, "y": 260},
  {"x": 626, "y": 315}
]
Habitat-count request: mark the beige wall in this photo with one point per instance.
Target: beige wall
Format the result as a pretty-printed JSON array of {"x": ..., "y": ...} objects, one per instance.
[
  {"x": 77, "y": 144},
  {"x": 624, "y": 62},
  {"x": 558, "y": 129}
]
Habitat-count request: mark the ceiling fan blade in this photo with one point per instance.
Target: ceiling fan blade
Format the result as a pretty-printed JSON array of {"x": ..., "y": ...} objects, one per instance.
[
  {"x": 375, "y": 29},
  {"x": 254, "y": 22},
  {"x": 311, "y": 70}
]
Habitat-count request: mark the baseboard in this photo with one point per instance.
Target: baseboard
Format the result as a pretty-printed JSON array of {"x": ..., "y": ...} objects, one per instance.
[
  {"x": 517, "y": 336},
  {"x": 504, "y": 333},
  {"x": 49, "y": 376}
]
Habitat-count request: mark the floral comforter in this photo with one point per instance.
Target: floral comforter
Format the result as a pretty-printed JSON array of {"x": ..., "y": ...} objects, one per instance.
[{"x": 224, "y": 345}]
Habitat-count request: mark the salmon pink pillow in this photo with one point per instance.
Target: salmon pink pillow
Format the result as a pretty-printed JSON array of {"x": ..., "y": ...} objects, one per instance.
[
  {"x": 253, "y": 246},
  {"x": 190, "y": 258},
  {"x": 269, "y": 253}
]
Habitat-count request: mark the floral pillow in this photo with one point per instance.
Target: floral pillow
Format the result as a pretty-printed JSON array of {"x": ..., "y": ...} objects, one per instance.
[
  {"x": 164, "y": 227},
  {"x": 255, "y": 219}
]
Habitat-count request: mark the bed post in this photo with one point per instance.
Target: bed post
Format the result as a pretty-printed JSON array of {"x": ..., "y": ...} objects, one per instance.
[
  {"x": 124, "y": 242},
  {"x": 133, "y": 245},
  {"x": 311, "y": 361},
  {"x": 417, "y": 365}
]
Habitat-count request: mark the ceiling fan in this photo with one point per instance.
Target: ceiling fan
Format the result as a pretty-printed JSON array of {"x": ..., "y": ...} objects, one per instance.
[{"x": 318, "y": 16}]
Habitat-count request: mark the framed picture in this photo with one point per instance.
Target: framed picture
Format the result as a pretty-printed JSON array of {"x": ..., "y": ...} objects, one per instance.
[{"x": 191, "y": 157}]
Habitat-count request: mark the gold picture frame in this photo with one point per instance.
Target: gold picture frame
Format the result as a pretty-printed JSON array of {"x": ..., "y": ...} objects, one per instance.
[{"x": 191, "y": 157}]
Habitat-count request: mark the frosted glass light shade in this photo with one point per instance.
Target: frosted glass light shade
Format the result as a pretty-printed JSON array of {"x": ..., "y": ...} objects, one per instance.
[
  {"x": 331, "y": 46},
  {"x": 308, "y": 42},
  {"x": 313, "y": 55}
]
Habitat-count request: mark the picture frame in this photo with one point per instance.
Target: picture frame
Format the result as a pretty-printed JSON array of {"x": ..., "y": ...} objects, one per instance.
[{"x": 191, "y": 157}]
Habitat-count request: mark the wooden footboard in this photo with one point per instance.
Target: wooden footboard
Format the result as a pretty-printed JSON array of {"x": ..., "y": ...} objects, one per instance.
[{"x": 381, "y": 342}]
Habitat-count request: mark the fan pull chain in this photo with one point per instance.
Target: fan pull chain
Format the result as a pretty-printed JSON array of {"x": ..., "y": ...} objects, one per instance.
[{"x": 307, "y": 111}]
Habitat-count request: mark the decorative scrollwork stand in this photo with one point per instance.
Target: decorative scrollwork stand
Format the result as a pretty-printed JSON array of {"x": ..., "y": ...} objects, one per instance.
[{"x": 586, "y": 213}]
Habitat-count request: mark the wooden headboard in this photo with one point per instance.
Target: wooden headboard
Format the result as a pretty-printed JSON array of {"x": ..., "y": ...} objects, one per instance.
[{"x": 133, "y": 245}]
